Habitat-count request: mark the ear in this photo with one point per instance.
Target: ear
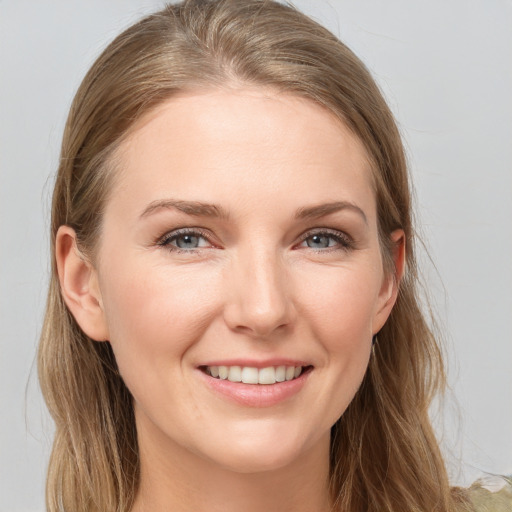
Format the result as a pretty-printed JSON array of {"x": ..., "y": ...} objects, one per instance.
[
  {"x": 390, "y": 285},
  {"x": 79, "y": 285}
]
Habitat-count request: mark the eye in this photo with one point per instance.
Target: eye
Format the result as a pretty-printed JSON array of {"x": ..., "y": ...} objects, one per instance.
[
  {"x": 184, "y": 240},
  {"x": 322, "y": 240}
]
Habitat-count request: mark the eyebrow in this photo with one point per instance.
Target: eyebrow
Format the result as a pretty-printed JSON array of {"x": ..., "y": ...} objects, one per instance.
[
  {"x": 195, "y": 208},
  {"x": 200, "y": 209},
  {"x": 322, "y": 210}
]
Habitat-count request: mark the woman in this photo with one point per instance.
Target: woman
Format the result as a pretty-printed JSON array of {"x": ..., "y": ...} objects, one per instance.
[{"x": 233, "y": 320}]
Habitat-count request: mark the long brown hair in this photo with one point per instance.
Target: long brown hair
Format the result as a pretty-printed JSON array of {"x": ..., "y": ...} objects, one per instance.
[{"x": 384, "y": 455}]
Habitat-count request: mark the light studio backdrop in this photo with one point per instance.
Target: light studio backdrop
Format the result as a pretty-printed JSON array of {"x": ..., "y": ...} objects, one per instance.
[{"x": 446, "y": 69}]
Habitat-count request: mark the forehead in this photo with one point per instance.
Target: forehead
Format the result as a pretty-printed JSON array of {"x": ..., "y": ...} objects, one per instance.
[{"x": 252, "y": 142}]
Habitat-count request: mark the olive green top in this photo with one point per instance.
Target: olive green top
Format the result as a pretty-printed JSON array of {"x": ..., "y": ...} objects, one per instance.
[{"x": 485, "y": 500}]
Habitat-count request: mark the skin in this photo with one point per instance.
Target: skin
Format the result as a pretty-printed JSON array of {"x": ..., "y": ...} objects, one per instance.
[{"x": 255, "y": 284}]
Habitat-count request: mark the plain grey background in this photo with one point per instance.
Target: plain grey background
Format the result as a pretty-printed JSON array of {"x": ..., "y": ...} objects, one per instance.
[{"x": 446, "y": 69}]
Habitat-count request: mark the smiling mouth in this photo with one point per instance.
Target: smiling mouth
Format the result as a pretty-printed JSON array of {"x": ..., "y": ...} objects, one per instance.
[{"x": 252, "y": 375}]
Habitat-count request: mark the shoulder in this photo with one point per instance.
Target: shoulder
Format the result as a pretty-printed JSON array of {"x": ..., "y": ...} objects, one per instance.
[{"x": 491, "y": 494}]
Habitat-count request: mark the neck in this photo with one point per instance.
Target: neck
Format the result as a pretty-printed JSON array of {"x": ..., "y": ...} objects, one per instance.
[{"x": 174, "y": 479}]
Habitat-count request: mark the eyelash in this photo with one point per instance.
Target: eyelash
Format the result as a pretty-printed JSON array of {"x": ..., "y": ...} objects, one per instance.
[
  {"x": 343, "y": 241},
  {"x": 166, "y": 240}
]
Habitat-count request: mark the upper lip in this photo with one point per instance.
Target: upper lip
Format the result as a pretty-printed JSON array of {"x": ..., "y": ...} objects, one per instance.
[{"x": 265, "y": 363}]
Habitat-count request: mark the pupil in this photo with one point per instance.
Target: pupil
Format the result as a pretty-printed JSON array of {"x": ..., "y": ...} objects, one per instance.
[
  {"x": 187, "y": 241},
  {"x": 319, "y": 241}
]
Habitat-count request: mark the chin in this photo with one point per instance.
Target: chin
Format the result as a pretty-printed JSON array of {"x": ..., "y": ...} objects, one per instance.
[
  {"x": 260, "y": 450},
  {"x": 260, "y": 462}
]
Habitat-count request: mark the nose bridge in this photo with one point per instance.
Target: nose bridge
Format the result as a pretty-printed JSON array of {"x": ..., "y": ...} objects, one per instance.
[{"x": 260, "y": 302}]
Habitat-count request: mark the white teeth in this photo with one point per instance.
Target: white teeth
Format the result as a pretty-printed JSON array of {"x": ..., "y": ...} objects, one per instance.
[
  {"x": 267, "y": 376},
  {"x": 235, "y": 374},
  {"x": 250, "y": 375},
  {"x": 280, "y": 373},
  {"x": 223, "y": 372}
]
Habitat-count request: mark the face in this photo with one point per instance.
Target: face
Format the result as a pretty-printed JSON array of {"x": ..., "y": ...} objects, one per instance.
[{"x": 240, "y": 240}]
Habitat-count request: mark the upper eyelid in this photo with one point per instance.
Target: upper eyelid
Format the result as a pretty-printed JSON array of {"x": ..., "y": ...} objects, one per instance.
[
  {"x": 344, "y": 240},
  {"x": 325, "y": 231},
  {"x": 184, "y": 231},
  {"x": 208, "y": 236}
]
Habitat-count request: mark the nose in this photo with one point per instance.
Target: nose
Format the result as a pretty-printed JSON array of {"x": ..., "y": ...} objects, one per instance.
[{"x": 259, "y": 299}]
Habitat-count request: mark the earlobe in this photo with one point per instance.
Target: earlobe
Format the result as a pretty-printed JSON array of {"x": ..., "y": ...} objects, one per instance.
[
  {"x": 79, "y": 285},
  {"x": 391, "y": 284}
]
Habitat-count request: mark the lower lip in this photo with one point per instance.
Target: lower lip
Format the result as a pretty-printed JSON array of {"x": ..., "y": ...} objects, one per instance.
[{"x": 256, "y": 395}]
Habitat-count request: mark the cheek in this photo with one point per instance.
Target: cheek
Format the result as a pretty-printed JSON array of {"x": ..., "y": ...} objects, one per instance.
[
  {"x": 341, "y": 303},
  {"x": 155, "y": 313},
  {"x": 340, "y": 309}
]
